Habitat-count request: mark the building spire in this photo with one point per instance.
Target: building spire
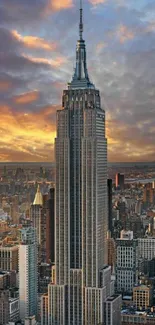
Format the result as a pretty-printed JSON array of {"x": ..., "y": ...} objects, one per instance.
[
  {"x": 38, "y": 200},
  {"x": 80, "y": 78},
  {"x": 81, "y": 21}
]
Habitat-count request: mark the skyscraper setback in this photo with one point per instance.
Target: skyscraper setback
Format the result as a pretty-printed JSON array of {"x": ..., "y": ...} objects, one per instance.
[{"x": 77, "y": 297}]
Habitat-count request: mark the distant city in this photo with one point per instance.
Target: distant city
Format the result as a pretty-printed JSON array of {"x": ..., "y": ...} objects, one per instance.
[{"x": 27, "y": 228}]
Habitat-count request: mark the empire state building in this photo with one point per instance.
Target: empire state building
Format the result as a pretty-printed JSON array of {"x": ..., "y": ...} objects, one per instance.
[{"x": 78, "y": 295}]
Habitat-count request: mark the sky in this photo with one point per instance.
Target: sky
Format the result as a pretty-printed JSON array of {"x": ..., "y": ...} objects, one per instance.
[{"x": 37, "y": 58}]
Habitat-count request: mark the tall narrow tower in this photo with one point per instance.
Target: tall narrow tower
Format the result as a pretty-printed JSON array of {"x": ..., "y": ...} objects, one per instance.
[
  {"x": 28, "y": 273},
  {"x": 77, "y": 298}
]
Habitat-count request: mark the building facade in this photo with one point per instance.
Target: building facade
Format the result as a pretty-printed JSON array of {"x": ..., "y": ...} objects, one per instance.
[
  {"x": 4, "y": 307},
  {"x": 110, "y": 223},
  {"x": 137, "y": 318},
  {"x": 9, "y": 257},
  {"x": 42, "y": 216},
  {"x": 146, "y": 248},
  {"x": 81, "y": 221},
  {"x": 143, "y": 296},
  {"x": 120, "y": 181},
  {"x": 126, "y": 265},
  {"x": 112, "y": 310},
  {"x": 28, "y": 273}
]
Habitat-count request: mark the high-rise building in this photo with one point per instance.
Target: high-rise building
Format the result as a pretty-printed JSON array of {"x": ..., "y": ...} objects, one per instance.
[
  {"x": 28, "y": 273},
  {"x": 126, "y": 265},
  {"x": 112, "y": 310},
  {"x": 149, "y": 194},
  {"x": 4, "y": 306},
  {"x": 111, "y": 252},
  {"x": 81, "y": 202},
  {"x": 44, "y": 309},
  {"x": 7, "y": 279},
  {"x": 146, "y": 248},
  {"x": 120, "y": 181},
  {"x": 42, "y": 216},
  {"x": 110, "y": 228},
  {"x": 9, "y": 257}
]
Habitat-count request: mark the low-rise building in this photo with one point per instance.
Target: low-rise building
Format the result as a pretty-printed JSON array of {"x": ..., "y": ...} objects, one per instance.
[
  {"x": 143, "y": 296},
  {"x": 137, "y": 318}
]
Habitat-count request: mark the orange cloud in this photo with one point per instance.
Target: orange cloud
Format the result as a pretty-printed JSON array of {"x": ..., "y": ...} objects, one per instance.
[
  {"x": 124, "y": 34},
  {"x": 34, "y": 42},
  {"x": 29, "y": 136},
  {"x": 57, "y": 62},
  {"x": 100, "y": 46},
  {"x": 60, "y": 4},
  {"x": 97, "y": 2},
  {"x": 27, "y": 98},
  {"x": 4, "y": 85}
]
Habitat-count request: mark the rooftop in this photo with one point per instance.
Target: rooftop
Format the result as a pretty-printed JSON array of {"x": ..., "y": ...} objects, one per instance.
[{"x": 112, "y": 298}]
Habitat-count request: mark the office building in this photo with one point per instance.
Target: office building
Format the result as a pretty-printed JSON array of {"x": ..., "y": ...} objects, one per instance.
[
  {"x": 28, "y": 273},
  {"x": 132, "y": 317},
  {"x": 42, "y": 216},
  {"x": 81, "y": 202},
  {"x": 7, "y": 279},
  {"x": 4, "y": 307},
  {"x": 30, "y": 321},
  {"x": 112, "y": 310},
  {"x": 9, "y": 257},
  {"x": 45, "y": 274},
  {"x": 143, "y": 296},
  {"x": 44, "y": 309},
  {"x": 50, "y": 227},
  {"x": 110, "y": 225},
  {"x": 138, "y": 207},
  {"x": 126, "y": 234},
  {"x": 14, "y": 309},
  {"x": 146, "y": 248},
  {"x": 120, "y": 181},
  {"x": 149, "y": 195},
  {"x": 111, "y": 252},
  {"x": 126, "y": 265}
]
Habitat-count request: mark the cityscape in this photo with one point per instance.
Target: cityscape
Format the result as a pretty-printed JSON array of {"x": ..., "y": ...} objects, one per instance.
[{"x": 77, "y": 228}]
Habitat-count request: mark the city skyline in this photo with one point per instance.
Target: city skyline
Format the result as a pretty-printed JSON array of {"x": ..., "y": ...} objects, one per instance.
[{"x": 37, "y": 57}]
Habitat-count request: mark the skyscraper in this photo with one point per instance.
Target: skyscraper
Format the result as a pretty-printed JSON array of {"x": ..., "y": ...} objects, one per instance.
[
  {"x": 28, "y": 273},
  {"x": 109, "y": 184},
  {"x": 126, "y": 264},
  {"x": 120, "y": 181},
  {"x": 77, "y": 297},
  {"x": 42, "y": 216}
]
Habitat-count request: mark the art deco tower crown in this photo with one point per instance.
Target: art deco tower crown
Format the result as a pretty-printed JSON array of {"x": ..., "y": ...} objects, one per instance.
[{"x": 80, "y": 78}]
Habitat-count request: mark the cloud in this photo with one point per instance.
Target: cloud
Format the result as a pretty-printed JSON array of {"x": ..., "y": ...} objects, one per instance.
[
  {"x": 57, "y": 62},
  {"x": 122, "y": 33},
  {"x": 100, "y": 46},
  {"x": 25, "y": 131},
  {"x": 27, "y": 98},
  {"x": 34, "y": 42},
  {"x": 60, "y": 4},
  {"x": 4, "y": 85},
  {"x": 96, "y": 2}
]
